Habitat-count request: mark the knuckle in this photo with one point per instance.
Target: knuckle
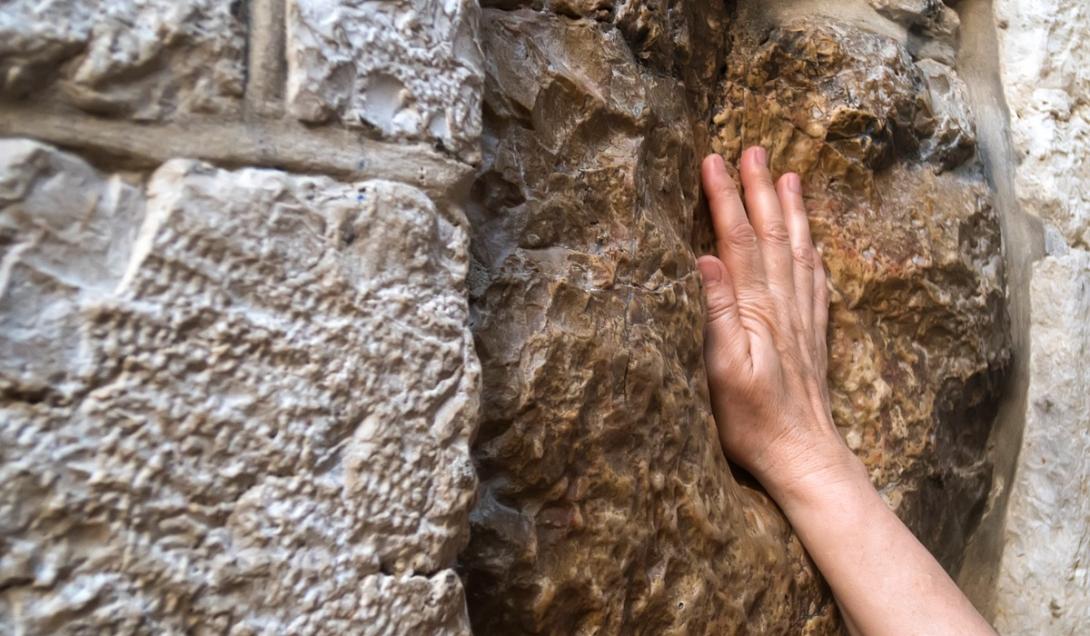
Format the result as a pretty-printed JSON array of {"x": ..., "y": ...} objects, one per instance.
[
  {"x": 776, "y": 234},
  {"x": 741, "y": 235},
  {"x": 804, "y": 257}
]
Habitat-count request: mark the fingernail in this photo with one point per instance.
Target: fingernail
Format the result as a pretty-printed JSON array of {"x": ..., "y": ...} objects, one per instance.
[
  {"x": 709, "y": 271},
  {"x": 793, "y": 183},
  {"x": 760, "y": 155}
]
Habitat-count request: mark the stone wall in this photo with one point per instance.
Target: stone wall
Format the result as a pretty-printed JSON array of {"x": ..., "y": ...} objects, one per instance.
[
  {"x": 237, "y": 387},
  {"x": 383, "y": 317}
]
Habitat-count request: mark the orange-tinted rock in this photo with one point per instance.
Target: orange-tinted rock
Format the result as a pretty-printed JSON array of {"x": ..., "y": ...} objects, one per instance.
[{"x": 919, "y": 340}]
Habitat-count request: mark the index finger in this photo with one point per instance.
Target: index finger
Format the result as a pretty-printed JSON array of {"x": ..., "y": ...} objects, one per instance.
[{"x": 735, "y": 240}]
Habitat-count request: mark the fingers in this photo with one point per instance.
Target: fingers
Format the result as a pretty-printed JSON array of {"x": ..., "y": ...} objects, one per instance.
[
  {"x": 789, "y": 189},
  {"x": 735, "y": 239},
  {"x": 766, "y": 215},
  {"x": 724, "y": 331}
]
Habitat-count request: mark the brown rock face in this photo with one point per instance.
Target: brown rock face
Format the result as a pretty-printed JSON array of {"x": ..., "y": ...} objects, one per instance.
[
  {"x": 605, "y": 503},
  {"x": 919, "y": 339}
]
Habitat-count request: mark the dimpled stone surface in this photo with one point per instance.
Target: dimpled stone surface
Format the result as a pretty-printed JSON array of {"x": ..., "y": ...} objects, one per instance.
[
  {"x": 919, "y": 339},
  {"x": 148, "y": 60},
  {"x": 404, "y": 69},
  {"x": 239, "y": 401},
  {"x": 606, "y": 505}
]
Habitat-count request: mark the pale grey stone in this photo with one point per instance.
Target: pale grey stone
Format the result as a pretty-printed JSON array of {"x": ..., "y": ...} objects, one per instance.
[
  {"x": 145, "y": 59},
  {"x": 403, "y": 69},
  {"x": 1044, "y": 63},
  {"x": 1044, "y": 578},
  {"x": 269, "y": 389}
]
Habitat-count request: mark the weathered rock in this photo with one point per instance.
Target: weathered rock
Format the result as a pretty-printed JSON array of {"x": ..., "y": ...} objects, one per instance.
[
  {"x": 147, "y": 60},
  {"x": 605, "y": 503},
  {"x": 245, "y": 404},
  {"x": 1043, "y": 586},
  {"x": 932, "y": 26},
  {"x": 954, "y": 141},
  {"x": 919, "y": 338},
  {"x": 1044, "y": 61},
  {"x": 408, "y": 69}
]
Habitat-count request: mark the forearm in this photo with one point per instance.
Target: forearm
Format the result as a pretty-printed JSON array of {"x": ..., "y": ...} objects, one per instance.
[{"x": 880, "y": 574}]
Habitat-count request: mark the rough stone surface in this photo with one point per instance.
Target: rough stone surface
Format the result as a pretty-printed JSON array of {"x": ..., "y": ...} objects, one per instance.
[
  {"x": 144, "y": 59},
  {"x": 932, "y": 26},
  {"x": 1044, "y": 59},
  {"x": 953, "y": 142},
  {"x": 919, "y": 337},
  {"x": 239, "y": 401},
  {"x": 1044, "y": 580},
  {"x": 1043, "y": 583},
  {"x": 406, "y": 69},
  {"x": 605, "y": 503}
]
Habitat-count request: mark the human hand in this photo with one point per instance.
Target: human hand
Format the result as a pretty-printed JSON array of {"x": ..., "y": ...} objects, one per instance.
[{"x": 764, "y": 349}]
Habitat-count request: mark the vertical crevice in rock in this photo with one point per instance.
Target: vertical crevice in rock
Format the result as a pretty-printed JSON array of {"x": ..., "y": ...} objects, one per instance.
[
  {"x": 978, "y": 64},
  {"x": 266, "y": 67}
]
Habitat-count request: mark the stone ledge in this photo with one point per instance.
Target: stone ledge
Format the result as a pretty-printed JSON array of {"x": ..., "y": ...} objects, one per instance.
[{"x": 237, "y": 142}]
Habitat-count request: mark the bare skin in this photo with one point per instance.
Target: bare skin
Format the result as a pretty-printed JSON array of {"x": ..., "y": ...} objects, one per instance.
[{"x": 765, "y": 351}]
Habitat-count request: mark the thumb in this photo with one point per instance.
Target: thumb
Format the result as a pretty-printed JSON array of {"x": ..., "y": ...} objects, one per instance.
[{"x": 726, "y": 342}]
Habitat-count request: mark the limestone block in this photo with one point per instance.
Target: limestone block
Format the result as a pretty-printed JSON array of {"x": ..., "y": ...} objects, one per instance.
[
  {"x": 606, "y": 505},
  {"x": 404, "y": 69},
  {"x": 1044, "y": 60},
  {"x": 1044, "y": 581},
  {"x": 243, "y": 406},
  {"x": 144, "y": 59},
  {"x": 919, "y": 338}
]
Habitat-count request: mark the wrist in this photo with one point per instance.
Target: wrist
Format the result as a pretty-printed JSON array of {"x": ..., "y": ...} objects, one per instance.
[{"x": 816, "y": 476}]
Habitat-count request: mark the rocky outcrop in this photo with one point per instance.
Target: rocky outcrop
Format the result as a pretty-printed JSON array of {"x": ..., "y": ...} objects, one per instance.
[
  {"x": 605, "y": 502},
  {"x": 919, "y": 337}
]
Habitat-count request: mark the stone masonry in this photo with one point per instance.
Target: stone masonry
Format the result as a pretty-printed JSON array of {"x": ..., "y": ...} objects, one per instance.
[
  {"x": 235, "y": 399},
  {"x": 382, "y": 317}
]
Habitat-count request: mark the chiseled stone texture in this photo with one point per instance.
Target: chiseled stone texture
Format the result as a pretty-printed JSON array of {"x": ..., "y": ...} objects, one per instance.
[
  {"x": 919, "y": 339},
  {"x": 143, "y": 59},
  {"x": 1044, "y": 576},
  {"x": 606, "y": 505},
  {"x": 404, "y": 69},
  {"x": 1044, "y": 60},
  {"x": 233, "y": 401}
]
